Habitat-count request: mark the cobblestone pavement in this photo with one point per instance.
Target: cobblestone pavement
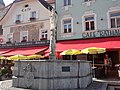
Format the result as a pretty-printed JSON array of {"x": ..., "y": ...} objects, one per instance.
[
  {"x": 7, "y": 85},
  {"x": 97, "y": 86}
]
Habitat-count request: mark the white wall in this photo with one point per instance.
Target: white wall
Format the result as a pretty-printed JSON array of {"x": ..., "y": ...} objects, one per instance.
[{"x": 34, "y": 5}]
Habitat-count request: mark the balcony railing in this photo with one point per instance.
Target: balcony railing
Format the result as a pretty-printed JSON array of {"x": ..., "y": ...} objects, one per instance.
[{"x": 25, "y": 44}]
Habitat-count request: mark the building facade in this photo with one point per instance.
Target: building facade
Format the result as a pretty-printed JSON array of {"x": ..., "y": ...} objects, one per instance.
[
  {"x": 26, "y": 24},
  {"x": 89, "y": 23},
  {"x": 87, "y": 18}
]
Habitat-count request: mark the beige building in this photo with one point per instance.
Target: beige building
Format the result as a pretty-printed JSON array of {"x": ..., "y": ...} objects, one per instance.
[{"x": 25, "y": 20}]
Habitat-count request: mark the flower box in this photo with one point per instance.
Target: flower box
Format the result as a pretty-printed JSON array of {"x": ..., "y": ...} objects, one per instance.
[
  {"x": 32, "y": 18},
  {"x": 43, "y": 38},
  {"x": 17, "y": 21}
]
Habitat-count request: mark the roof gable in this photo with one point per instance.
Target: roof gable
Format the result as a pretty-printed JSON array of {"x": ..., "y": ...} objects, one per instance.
[{"x": 44, "y": 3}]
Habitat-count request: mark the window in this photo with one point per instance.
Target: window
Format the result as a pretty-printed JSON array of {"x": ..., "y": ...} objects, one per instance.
[
  {"x": 24, "y": 36},
  {"x": 33, "y": 14},
  {"x": 67, "y": 2},
  {"x": 44, "y": 34},
  {"x": 115, "y": 20},
  {"x": 67, "y": 26},
  {"x": 9, "y": 38},
  {"x": 89, "y": 23},
  {"x": 1, "y": 30},
  {"x": 18, "y": 17},
  {"x": 87, "y": 0}
]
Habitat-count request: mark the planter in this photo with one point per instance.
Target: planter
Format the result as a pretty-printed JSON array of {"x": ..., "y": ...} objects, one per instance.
[
  {"x": 43, "y": 39},
  {"x": 32, "y": 19},
  {"x": 17, "y": 21}
]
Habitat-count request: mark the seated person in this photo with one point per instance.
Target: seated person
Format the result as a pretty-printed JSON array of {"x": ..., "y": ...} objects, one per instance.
[{"x": 107, "y": 60}]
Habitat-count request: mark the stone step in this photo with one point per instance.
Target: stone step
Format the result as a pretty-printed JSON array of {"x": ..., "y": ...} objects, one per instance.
[{"x": 113, "y": 86}]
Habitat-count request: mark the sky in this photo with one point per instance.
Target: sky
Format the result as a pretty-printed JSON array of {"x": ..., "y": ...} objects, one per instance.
[{"x": 7, "y": 2}]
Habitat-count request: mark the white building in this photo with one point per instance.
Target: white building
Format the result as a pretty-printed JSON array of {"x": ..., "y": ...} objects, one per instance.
[
  {"x": 25, "y": 22},
  {"x": 26, "y": 19}
]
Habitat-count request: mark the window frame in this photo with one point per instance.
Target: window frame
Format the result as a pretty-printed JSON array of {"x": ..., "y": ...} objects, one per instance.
[
  {"x": 33, "y": 14},
  {"x": 95, "y": 21},
  {"x": 67, "y": 3},
  {"x": 44, "y": 34},
  {"x": 62, "y": 25},
  {"x": 10, "y": 36},
  {"x": 22, "y": 35},
  {"x": 115, "y": 19},
  {"x": 89, "y": 22},
  {"x": 18, "y": 17},
  {"x": 88, "y": 0}
]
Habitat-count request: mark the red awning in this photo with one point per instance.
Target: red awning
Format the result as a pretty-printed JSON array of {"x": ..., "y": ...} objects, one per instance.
[
  {"x": 108, "y": 43},
  {"x": 2, "y": 51},
  {"x": 26, "y": 51},
  {"x": 47, "y": 54}
]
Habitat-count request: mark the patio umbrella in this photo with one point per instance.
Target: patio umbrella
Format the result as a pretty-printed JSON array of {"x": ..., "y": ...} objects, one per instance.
[
  {"x": 35, "y": 56},
  {"x": 18, "y": 57},
  {"x": 93, "y": 50},
  {"x": 71, "y": 52},
  {"x": 2, "y": 57}
]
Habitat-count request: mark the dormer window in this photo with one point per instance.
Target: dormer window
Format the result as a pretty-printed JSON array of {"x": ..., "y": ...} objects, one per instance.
[{"x": 33, "y": 15}]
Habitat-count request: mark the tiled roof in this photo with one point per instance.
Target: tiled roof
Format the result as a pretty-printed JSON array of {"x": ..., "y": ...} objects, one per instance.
[
  {"x": 46, "y": 4},
  {"x": 48, "y": 1}
]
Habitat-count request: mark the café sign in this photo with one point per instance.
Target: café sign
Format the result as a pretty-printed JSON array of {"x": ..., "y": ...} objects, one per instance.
[{"x": 101, "y": 33}]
